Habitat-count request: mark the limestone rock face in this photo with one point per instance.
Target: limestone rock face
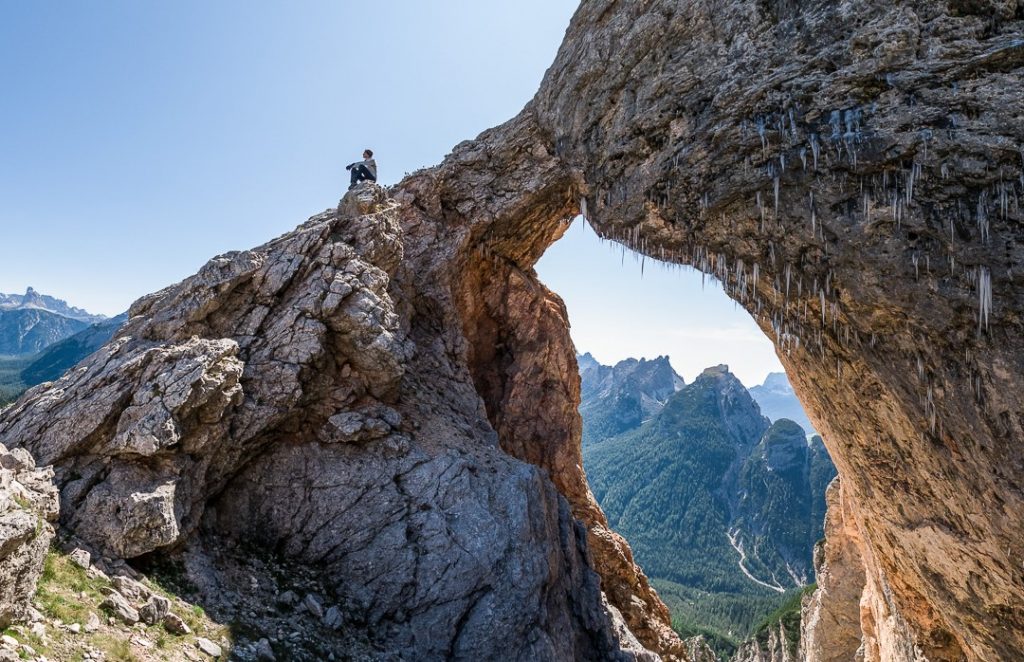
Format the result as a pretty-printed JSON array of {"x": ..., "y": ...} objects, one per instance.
[
  {"x": 312, "y": 395},
  {"x": 390, "y": 392},
  {"x": 28, "y": 503},
  {"x": 515, "y": 332},
  {"x": 830, "y": 617},
  {"x": 851, "y": 171}
]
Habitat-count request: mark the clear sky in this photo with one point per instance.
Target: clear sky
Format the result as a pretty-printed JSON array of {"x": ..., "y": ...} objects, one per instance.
[
  {"x": 618, "y": 310},
  {"x": 139, "y": 139}
]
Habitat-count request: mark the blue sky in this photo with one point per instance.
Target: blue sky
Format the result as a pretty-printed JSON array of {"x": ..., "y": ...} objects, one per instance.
[{"x": 141, "y": 138}]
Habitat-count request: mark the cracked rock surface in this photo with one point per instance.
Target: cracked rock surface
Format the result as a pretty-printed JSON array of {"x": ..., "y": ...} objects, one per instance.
[
  {"x": 28, "y": 503},
  {"x": 852, "y": 172},
  {"x": 310, "y": 397}
]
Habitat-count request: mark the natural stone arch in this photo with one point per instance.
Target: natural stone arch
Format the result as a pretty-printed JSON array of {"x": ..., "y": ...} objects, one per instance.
[
  {"x": 852, "y": 174},
  {"x": 380, "y": 354}
]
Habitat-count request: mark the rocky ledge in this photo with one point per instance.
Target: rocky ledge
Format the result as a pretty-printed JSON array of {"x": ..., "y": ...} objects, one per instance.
[
  {"x": 310, "y": 398},
  {"x": 28, "y": 503}
]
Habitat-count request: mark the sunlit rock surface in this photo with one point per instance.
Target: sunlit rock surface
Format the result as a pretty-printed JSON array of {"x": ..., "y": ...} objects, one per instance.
[
  {"x": 28, "y": 503},
  {"x": 850, "y": 170}
]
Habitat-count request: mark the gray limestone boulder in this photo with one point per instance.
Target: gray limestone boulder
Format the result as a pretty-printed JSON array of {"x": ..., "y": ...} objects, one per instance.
[{"x": 28, "y": 503}]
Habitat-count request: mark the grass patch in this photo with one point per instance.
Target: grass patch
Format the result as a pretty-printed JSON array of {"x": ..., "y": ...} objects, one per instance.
[
  {"x": 66, "y": 592},
  {"x": 25, "y": 637},
  {"x": 61, "y": 586},
  {"x": 116, "y": 648}
]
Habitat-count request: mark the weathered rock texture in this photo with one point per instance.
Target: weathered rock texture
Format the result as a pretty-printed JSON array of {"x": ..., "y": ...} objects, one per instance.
[
  {"x": 28, "y": 503},
  {"x": 850, "y": 170},
  {"x": 775, "y": 648},
  {"x": 830, "y": 620},
  {"x": 312, "y": 395}
]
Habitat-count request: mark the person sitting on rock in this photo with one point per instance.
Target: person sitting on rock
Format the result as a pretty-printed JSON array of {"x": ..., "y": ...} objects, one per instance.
[{"x": 363, "y": 171}]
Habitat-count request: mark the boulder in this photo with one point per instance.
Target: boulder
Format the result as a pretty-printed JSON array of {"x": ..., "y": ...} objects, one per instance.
[
  {"x": 175, "y": 624},
  {"x": 81, "y": 558},
  {"x": 28, "y": 503},
  {"x": 155, "y": 610},
  {"x": 119, "y": 607},
  {"x": 208, "y": 647}
]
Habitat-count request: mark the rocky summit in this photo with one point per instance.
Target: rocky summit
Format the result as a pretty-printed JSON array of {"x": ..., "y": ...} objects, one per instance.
[
  {"x": 389, "y": 395},
  {"x": 618, "y": 398}
]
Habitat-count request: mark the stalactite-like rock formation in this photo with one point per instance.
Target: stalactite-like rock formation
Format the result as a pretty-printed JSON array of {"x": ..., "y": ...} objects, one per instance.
[
  {"x": 389, "y": 393},
  {"x": 853, "y": 173}
]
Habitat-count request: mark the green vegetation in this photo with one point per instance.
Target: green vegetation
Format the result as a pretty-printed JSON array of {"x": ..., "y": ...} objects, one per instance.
[
  {"x": 61, "y": 586},
  {"x": 116, "y": 648},
  {"x": 12, "y": 384},
  {"x": 725, "y": 619},
  {"x": 69, "y": 594},
  {"x": 18, "y": 373},
  {"x": 601, "y": 423},
  {"x": 705, "y": 468},
  {"x": 781, "y": 508},
  {"x": 661, "y": 487},
  {"x": 788, "y": 613}
]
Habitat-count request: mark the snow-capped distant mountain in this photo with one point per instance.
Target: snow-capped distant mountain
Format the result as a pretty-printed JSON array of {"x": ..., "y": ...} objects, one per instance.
[
  {"x": 778, "y": 400},
  {"x": 32, "y": 321},
  {"x": 32, "y": 300}
]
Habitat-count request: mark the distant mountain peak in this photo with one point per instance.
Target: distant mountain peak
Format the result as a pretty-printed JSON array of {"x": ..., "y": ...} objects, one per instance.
[
  {"x": 723, "y": 380},
  {"x": 620, "y": 397},
  {"x": 718, "y": 395},
  {"x": 778, "y": 400},
  {"x": 33, "y": 299},
  {"x": 777, "y": 382},
  {"x": 716, "y": 370}
]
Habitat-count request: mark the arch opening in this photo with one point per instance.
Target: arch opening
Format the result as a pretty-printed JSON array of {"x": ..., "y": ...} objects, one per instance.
[{"x": 693, "y": 443}]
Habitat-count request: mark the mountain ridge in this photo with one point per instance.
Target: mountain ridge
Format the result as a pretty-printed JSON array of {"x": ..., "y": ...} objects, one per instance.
[
  {"x": 32, "y": 299},
  {"x": 26, "y": 331},
  {"x": 719, "y": 503},
  {"x": 615, "y": 398}
]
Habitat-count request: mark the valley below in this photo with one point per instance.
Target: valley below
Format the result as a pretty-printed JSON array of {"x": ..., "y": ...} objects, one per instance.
[{"x": 722, "y": 506}]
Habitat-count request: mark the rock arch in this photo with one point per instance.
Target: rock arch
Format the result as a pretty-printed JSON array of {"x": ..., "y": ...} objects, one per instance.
[
  {"x": 853, "y": 174},
  {"x": 353, "y": 390}
]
